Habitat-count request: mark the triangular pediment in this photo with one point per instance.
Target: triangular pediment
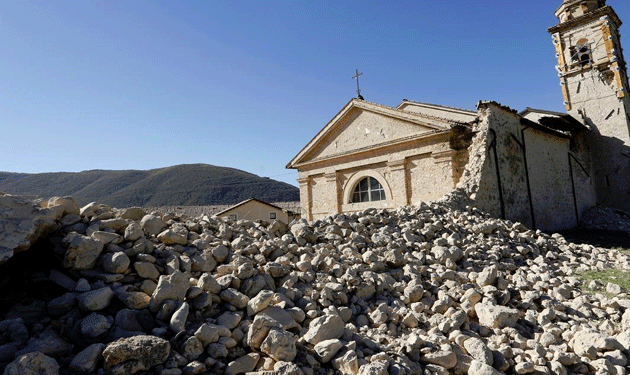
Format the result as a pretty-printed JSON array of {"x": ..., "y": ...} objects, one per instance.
[{"x": 360, "y": 125}]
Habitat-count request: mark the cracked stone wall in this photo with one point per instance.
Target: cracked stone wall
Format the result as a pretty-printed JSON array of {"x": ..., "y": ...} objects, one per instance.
[{"x": 498, "y": 172}]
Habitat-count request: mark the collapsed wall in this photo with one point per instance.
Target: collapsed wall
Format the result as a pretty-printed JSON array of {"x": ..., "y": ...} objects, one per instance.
[
  {"x": 526, "y": 172},
  {"x": 433, "y": 289}
]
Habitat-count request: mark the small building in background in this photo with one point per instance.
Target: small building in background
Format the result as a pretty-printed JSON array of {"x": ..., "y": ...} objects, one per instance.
[{"x": 254, "y": 209}]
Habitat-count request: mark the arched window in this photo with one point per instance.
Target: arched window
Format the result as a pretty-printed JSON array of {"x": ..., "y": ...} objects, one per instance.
[
  {"x": 368, "y": 190},
  {"x": 583, "y": 52}
]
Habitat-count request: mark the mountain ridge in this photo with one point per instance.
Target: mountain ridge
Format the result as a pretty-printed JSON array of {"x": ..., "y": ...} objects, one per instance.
[{"x": 184, "y": 184}]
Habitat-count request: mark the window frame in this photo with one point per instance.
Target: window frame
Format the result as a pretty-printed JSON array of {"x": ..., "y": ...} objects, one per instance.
[
  {"x": 275, "y": 215},
  {"x": 365, "y": 190}
]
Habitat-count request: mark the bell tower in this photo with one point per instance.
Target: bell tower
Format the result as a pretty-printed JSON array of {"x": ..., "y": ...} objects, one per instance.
[{"x": 594, "y": 83}]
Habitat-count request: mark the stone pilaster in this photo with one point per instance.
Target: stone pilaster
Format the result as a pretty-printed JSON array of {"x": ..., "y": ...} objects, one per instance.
[{"x": 398, "y": 182}]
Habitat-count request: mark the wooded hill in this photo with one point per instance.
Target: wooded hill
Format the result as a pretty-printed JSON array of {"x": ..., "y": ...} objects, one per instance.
[{"x": 187, "y": 184}]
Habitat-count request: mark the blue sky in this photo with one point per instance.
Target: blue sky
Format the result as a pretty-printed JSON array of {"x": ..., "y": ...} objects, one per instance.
[{"x": 148, "y": 84}]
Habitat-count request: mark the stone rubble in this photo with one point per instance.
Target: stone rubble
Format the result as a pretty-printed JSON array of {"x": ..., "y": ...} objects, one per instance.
[
  {"x": 438, "y": 288},
  {"x": 600, "y": 217}
]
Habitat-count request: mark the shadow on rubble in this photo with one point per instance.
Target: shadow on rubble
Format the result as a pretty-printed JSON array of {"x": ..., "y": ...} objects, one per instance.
[
  {"x": 598, "y": 237},
  {"x": 24, "y": 283}
]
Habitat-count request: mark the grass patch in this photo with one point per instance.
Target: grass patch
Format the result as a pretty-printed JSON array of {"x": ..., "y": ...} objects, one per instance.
[{"x": 619, "y": 277}]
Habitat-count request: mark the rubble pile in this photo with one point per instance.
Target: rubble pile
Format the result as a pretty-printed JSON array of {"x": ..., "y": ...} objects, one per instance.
[
  {"x": 429, "y": 289},
  {"x": 601, "y": 217}
]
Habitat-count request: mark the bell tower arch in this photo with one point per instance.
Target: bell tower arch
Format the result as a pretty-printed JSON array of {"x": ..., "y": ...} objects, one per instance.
[{"x": 594, "y": 81}]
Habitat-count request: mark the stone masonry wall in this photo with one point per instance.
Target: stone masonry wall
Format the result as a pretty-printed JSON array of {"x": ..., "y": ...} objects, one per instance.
[{"x": 504, "y": 190}]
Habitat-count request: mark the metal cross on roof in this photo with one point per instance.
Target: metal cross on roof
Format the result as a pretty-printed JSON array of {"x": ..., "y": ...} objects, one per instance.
[{"x": 356, "y": 76}]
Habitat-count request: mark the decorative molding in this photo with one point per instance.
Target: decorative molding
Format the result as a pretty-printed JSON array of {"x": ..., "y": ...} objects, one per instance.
[
  {"x": 397, "y": 165},
  {"x": 443, "y": 156}
]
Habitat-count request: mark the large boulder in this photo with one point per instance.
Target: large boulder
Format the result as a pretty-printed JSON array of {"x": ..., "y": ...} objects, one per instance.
[
  {"x": 82, "y": 251},
  {"x": 137, "y": 353},
  {"x": 23, "y": 221},
  {"x": 495, "y": 316},
  {"x": 173, "y": 286}
]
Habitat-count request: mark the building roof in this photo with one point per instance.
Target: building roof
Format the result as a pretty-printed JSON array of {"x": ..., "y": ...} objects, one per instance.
[
  {"x": 456, "y": 109},
  {"x": 543, "y": 111},
  {"x": 252, "y": 200},
  {"x": 428, "y": 121},
  {"x": 555, "y": 120}
]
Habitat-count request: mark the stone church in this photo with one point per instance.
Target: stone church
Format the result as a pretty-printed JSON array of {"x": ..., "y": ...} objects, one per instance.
[{"x": 539, "y": 167}]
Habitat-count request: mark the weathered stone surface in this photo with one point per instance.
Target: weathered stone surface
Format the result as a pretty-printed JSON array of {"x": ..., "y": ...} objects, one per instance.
[
  {"x": 482, "y": 368},
  {"x": 173, "y": 237},
  {"x": 279, "y": 345},
  {"x": 173, "y": 287},
  {"x": 348, "y": 363},
  {"x": 279, "y": 315},
  {"x": 178, "y": 319},
  {"x": 259, "y": 329},
  {"x": 152, "y": 225},
  {"x": 48, "y": 343},
  {"x": 117, "y": 262},
  {"x": 106, "y": 237},
  {"x": 146, "y": 270},
  {"x": 235, "y": 298},
  {"x": 495, "y": 316},
  {"x": 479, "y": 350},
  {"x": 445, "y": 359},
  {"x": 88, "y": 359},
  {"x": 35, "y": 363},
  {"x": 324, "y": 328},
  {"x": 82, "y": 252},
  {"x": 132, "y": 213},
  {"x": 22, "y": 222},
  {"x": 95, "y": 300},
  {"x": 400, "y": 292},
  {"x": 95, "y": 325},
  {"x": 243, "y": 364},
  {"x": 136, "y": 353},
  {"x": 327, "y": 349}
]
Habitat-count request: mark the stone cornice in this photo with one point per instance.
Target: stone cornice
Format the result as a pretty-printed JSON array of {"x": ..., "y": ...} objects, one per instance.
[
  {"x": 413, "y": 118},
  {"x": 605, "y": 11},
  {"x": 384, "y": 145}
]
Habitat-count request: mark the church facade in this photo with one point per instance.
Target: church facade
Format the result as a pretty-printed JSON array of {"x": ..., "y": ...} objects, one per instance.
[{"x": 538, "y": 167}]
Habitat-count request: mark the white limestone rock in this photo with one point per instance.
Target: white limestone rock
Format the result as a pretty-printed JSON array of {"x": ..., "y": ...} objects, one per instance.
[
  {"x": 478, "y": 349},
  {"x": 327, "y": 349},
  {"x": 446, "y": 359},
  {"x": 152, "y": 225},
  {"x": 117, "y": 262},
  {"x": 325, "y": 327},
  {"x": 242, "y": 364},
  {"x": 235, "y": 298},
  {"x": 495, "y": 316},
  {"x": 279, "y": 345},
  {"x": 82, "y": 252},
  {"x": 259, "y": 302},
  {"x": 133, "y": 232},
  {"x": 173, "y": 286},
  {"x": 481, "y": 368},
  {"x": 23, "y": 222},
  {"x": 174, "y": 236},
  {"x": 348, "y": 363},
  {"x": 179, "y": 317}
]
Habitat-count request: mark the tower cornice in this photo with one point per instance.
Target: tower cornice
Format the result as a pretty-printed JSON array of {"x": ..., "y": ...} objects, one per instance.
[{"x": 570, "y": 24}]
